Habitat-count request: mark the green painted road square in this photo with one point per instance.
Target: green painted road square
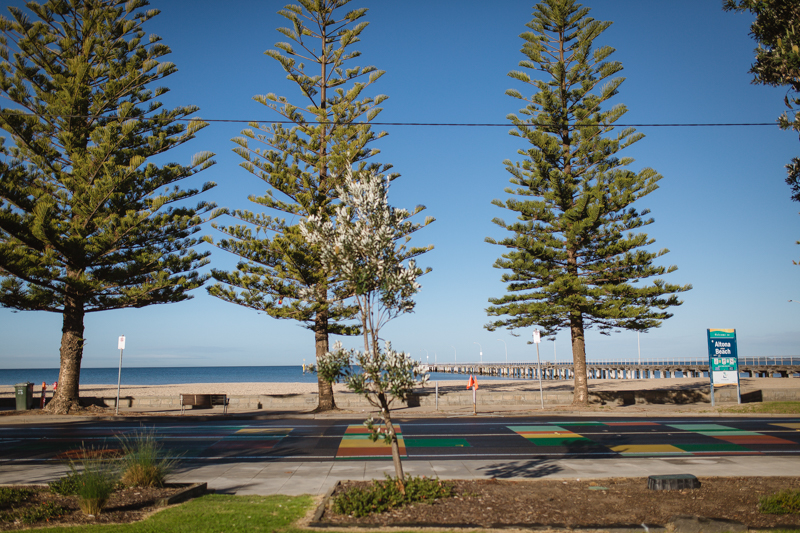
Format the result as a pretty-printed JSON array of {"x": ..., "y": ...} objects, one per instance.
[
  {"x": 723, "y": 433},
  {"x": 413, "y": 442},
  {"x": 702, "y": 427}
]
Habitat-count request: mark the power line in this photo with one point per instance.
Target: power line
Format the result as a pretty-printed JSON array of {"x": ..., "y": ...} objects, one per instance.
[
  {"x": 416, "y": 124},
  {"x": 508, "y": 124}
]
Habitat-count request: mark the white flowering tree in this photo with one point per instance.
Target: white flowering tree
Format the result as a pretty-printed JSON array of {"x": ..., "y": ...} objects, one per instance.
[{"x": 367, "y": 244}]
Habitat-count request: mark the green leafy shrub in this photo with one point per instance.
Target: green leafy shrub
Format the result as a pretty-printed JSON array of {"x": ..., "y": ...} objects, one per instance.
[
  {"x": 385, "y": 495},
  {"x": 31, "y": 515},
  {"x": 144, "y": 464},
  {"x": 10, "y": 496},
  {"x": 784, "y": 502},
  {"x": 67, "y": 485},
  {"x": 42, "y": 512}
]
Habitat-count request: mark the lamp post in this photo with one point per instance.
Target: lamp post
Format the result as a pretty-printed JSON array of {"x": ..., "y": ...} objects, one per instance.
[
  {"x": 455, "y": 357},
  {"x": 555, "y": 355},
  {"x": 121, "y": 348},
  {"x": 639, "y": 347},
  {"x": 504, "y": 342},
  {"x": 480, "y": 350}
]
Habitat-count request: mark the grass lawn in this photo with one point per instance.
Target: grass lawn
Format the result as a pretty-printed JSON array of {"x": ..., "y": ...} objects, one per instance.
[
  {"x": 217, "y": 513},
  {"x": 781, "y": 408}
]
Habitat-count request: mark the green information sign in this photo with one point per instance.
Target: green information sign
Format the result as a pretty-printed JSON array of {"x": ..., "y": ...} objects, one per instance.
[{"x": 723, "y": 358}]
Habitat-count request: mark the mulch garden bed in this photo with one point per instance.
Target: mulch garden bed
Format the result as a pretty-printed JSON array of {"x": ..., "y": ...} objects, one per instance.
[
  {"x": 606, "y": 503},
  {"x": 126, "y": 505}
]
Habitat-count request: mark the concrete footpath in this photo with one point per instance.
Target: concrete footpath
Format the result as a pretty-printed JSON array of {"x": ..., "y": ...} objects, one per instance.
[
  {"x": 314, "y": 477},
  {"x": 294, "y": 478}
]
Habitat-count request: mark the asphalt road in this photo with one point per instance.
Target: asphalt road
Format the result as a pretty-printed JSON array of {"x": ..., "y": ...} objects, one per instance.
[{"x": 221, "y": 440}]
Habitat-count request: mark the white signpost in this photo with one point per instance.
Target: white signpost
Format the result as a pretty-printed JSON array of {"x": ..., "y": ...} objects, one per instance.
[
  {"x": 120, "y": 347},
  {"x": 537, "y": 338}
]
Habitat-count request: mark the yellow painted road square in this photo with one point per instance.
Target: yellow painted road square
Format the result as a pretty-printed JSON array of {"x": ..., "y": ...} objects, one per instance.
[
  {"x": 647, "y": 448},
  {"x": 265, "y": 431},
  {"x": 361, "y": 443},
  {"x": 790, "y": 425}
]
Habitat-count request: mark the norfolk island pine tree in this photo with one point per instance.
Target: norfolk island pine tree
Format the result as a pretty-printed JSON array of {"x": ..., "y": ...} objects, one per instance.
[
  {"x": 302, "y": 165},
  {"x": 83, "y": 226},
  {"x": 574, "y": 259},
  {"x": 778, "y": 62}
]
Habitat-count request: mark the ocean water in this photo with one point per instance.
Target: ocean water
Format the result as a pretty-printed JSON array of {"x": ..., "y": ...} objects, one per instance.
[{"x": 178, "y": 375}]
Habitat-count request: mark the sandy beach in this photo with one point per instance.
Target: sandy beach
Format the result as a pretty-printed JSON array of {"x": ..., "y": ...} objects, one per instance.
[{"x": 251, "y": 389}]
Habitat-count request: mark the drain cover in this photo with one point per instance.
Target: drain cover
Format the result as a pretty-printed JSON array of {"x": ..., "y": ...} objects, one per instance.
[{"x": 673, "y": 482}]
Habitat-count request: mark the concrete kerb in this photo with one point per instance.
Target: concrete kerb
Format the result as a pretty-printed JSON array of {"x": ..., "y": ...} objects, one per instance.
[{"x": 408, "y": 413}]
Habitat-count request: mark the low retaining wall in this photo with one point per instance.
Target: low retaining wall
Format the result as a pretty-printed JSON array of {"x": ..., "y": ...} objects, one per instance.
[{"x": 294, "y": 402}]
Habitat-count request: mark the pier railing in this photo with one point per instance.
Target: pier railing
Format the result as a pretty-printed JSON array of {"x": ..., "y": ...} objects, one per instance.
[
  {"x": 623, "y": 368},
  {"x": 770, "y": 360}
]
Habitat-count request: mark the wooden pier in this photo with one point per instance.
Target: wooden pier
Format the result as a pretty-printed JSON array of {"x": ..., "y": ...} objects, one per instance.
[{"x": 777, "y": 367}]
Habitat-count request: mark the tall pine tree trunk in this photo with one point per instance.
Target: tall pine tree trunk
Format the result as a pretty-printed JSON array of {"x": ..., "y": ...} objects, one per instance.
[
  {"x": 326, "y": 402},
  {"x": 581, "y": 388},
  {"x": 69, "y": 376}
]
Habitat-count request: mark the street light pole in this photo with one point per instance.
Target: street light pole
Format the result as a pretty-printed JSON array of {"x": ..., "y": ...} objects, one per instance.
[
  {"x": 455, "y": 357},
  {"x": 504, "y": 342},
  {"x": 480, "y": 348}
]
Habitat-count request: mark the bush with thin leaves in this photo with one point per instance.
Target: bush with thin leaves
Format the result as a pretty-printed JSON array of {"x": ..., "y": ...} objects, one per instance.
[
  {"x": 95, "y": 481},
  {"x": 144, "y": 464}
]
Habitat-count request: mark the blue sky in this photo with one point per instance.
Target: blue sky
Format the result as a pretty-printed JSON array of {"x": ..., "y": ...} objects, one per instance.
[{"x": 722, "y": 208}]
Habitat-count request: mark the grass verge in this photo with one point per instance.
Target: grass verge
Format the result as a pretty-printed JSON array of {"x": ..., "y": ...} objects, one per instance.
[
  {"x": 215, "y": 513},
  {"x": 780, "y": 408}
]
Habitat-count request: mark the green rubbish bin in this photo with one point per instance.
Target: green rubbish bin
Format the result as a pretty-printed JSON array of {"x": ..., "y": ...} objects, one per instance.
[{"x": 24, "y": 394}]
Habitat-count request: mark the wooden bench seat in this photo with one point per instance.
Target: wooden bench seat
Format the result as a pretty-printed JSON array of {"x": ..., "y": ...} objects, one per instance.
[{"x": 204, "y": 400}]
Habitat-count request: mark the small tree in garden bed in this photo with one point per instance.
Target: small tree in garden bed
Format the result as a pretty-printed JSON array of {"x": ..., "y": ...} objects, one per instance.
[{"x": 366, "y": 244}]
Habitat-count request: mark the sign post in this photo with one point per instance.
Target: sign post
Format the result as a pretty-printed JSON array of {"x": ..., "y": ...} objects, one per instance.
[
  {"x": 537, "y": 339},
  {"x": 723, "y": 360},
  {"x": 121, "y": 347}
]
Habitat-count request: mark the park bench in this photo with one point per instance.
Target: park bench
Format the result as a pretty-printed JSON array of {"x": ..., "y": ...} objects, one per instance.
[{"x": 204, "y": 400}]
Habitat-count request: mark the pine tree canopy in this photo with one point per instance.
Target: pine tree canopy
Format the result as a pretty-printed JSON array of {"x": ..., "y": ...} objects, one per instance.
[
  {"x": 302, "y": 166},
  {"x": 87, "y": 221},
  {"x": 83, "y": 211},
  {"x": 576, "y": 257},
  {"x": 778, "y": 61}
]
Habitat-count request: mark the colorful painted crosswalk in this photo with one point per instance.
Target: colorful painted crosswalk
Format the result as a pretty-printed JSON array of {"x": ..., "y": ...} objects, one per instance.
[
  {"x": 549, "y": 435},
  {"x": 693, "y": 439},
  {"x": 356, "y": 443}
]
